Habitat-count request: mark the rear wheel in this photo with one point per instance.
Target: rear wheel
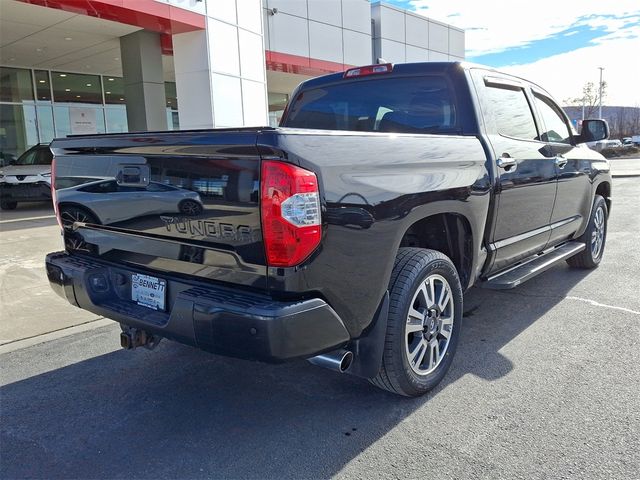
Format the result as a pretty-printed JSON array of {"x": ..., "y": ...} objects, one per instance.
[
  {"x": 595, "y": 237},
  {"x": 71, "y": 214},
  {"x": 7, "y": 205},
  {"x": 425, "y": 316},
  {"x": 190, "y": 207}
]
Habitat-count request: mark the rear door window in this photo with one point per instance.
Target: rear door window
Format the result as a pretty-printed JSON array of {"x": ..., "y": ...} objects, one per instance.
[
  {"x": 511, "y": 111},
  {"x": 422, "y": 104}
]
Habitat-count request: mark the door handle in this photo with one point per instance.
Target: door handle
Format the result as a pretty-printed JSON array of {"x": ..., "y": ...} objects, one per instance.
[
  {"x": 561, "y": 161},
  {"x": 506, "y": 162}
]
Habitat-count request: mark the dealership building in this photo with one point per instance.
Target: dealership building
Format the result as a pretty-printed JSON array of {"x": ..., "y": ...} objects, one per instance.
[{"x": 102, "y": 66}]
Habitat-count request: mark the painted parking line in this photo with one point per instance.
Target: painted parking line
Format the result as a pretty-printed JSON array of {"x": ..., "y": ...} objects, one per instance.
[{"x": 14, "y": 220}]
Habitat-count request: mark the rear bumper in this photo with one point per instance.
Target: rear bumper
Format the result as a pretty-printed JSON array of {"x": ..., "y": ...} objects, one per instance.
[
  {"x": 218, "y": 319},
  {"x": 25, "y": 192}
]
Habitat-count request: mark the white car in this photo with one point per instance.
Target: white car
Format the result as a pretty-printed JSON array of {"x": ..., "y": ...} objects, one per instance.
[
  {"x": 27, "y": 179},
  {"x": 106, "y": 202}
]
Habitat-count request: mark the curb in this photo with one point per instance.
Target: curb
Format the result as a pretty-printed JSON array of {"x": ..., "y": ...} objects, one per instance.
[{"x": 47, "y": 337}]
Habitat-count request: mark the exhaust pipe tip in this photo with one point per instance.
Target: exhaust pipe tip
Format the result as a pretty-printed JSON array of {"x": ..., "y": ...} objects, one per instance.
[
  {"x": 345, "y": 362},
  {"x": 338, "y": 361}
]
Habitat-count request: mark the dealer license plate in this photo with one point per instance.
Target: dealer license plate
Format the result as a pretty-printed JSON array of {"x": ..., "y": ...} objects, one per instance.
[{"x": 148, "y": 291}]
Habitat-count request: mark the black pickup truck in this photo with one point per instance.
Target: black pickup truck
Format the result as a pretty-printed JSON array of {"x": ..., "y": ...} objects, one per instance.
[{"x": 346, "y": 236}]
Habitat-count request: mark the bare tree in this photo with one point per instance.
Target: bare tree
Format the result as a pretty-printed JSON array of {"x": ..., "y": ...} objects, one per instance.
[{"x": 590, "y": 99}]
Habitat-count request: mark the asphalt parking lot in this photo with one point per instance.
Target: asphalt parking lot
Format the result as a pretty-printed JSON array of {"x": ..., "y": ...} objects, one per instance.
[{"x": 544, "y": 385}]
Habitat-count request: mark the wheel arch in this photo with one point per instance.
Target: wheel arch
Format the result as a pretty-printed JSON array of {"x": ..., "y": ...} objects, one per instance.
[
  {"x": 449, "y": 233},
  {"x": 80, "y": 206},
  {"x": 604, "y": 190}
]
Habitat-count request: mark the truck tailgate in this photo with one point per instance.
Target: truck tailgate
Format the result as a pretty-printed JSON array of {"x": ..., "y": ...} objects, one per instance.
[{"x": 181, "y": 202}]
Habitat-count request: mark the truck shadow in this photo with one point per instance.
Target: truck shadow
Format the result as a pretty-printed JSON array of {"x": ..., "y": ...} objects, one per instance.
[{"x": 181, "y": 413}]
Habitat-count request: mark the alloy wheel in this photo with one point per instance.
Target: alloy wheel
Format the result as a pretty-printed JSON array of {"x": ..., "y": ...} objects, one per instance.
[
  {"x": 597, "y": 235},
  {"x": 70, "y": 216},
  {"x": 190, "y": 208},
  {"x": 429, "y": 324}
]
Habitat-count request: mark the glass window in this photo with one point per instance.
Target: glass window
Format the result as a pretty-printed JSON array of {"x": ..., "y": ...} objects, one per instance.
[
  {"x": 18, "y": 130},
  {"x": 101, "y": 187},
  {"x": 15, "y": 84},
  {"x": 413, "y": 105},
  {"x": 27, "y": 158},
  {"x": 63, "y": 124},
  {"x": 43, "y": 85},
  {"x": 277, "y": 104},
  {"x": 116, "y": 119},
  {"x": 153, "y": 187},
  {"x": 36, "y": 156},
  {"x": 173, "y": 122},
  {"x": 62, "y": 115},
  {"x": 76, "y": 88},
  {"x": 512, "y": 113},
  {"x": 45, "y": 156},
  {"x": 171, "y": 95},
  {"x": 158, "y": 187},
  {"x": 114, "y": 91},
  {"x": 66, "y": 182},
  {"x": 555, "y": 129},
  {"x": 45, "y": 123}
]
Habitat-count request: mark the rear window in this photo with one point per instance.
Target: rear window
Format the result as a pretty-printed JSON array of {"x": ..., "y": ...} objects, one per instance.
[{"x": 402, "y": 105}]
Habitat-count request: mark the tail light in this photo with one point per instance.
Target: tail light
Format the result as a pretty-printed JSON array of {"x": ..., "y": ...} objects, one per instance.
[
  {"x": 290, "y": 208},
  {"x": 54, "y": 198}
]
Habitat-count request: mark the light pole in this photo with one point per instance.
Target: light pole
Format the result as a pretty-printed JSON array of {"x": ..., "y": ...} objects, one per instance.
[{"x": 600, "y": 94}]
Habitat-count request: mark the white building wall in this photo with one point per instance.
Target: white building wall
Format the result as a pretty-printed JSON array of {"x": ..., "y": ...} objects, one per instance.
[
  {"x": 337, "y": 31},
  {"x": 220, "y": 72},
  {"x": 403, "y": 36}
]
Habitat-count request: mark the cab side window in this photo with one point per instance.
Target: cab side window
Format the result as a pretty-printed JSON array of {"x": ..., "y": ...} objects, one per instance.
[
  {"x": 510, "y": 108},
  {"x": 555, "y": 128},
  {"x": 101, "y": 187}
]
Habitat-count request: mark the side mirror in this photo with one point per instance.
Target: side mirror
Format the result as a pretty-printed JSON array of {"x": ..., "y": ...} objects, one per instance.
[
  {"x": 12, "y": 162},
  {"x": 593, "y": 131}
]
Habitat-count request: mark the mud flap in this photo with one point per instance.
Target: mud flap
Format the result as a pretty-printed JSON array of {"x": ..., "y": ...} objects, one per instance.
[{"x": 368, "y": 349}]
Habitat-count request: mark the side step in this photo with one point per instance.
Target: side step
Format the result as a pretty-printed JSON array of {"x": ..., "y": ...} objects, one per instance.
[{"x": 521, "y": 273}]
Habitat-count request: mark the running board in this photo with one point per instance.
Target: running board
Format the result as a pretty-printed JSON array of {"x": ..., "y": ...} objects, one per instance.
[{"x": 525, "y": 271}]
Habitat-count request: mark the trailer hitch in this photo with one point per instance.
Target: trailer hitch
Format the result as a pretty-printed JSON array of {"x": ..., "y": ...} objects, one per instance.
[{"x": 131, "y": 338}]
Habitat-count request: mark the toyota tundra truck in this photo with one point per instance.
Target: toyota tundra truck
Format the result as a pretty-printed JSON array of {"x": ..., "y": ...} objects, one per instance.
[{"x": 347, "y": 235}]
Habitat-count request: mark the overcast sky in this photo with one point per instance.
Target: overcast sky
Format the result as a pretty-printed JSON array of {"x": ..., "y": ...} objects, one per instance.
[{"x": 558, "y": 44}]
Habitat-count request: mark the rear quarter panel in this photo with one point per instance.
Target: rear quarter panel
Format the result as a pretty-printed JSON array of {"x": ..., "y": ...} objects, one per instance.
[{"x": 374, "y": 187}]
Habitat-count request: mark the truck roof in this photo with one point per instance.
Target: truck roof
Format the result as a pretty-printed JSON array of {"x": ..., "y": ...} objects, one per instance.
[{"x": 418, "y": 68}]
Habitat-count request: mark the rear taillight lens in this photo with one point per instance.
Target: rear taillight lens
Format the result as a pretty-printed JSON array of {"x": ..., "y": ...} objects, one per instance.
[
  {"x": 290, "y": 208},
  {"x": 53, "y": 192}
]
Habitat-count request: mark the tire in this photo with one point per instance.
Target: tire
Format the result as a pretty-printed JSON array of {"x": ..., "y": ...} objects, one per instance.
[
  {"x": 8, "y": 205},
  {"x": 414, "y": 269},
  {"x": 594, "y": 237},
  {"x": 190, "y": 207},
  {"x": 71, "y": 214}
]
